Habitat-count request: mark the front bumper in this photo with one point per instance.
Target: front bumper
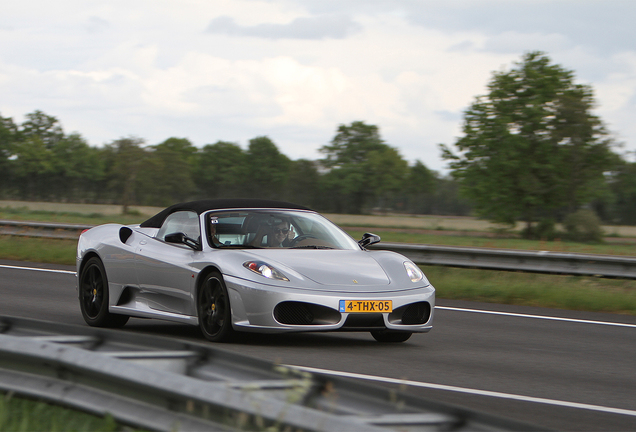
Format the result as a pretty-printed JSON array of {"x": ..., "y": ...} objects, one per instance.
[{"x": 256, "y": 307}]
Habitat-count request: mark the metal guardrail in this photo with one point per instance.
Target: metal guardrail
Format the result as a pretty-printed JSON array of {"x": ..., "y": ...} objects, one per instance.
[
  {"x": 480, "y": 258},
  {"x": 518, "y": 260},
  {"x": 166, "y": 385},
  {"x": 41, "y": 229}
]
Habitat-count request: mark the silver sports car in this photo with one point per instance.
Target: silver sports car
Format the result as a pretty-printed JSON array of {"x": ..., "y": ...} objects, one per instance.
[{"x": 249, "y": 265}]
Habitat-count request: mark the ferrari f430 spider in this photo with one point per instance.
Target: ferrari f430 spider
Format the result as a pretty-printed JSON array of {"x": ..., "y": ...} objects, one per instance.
[{"x": 249, "y": 265}]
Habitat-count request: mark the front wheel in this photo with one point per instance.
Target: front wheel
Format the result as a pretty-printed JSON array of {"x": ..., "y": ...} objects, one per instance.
[
  {"x": 390, "y": 336},
  {"x": 213, "y": 308},
  {"x": 93, "y": 296}
]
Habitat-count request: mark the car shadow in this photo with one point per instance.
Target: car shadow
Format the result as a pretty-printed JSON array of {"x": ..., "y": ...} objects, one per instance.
[{"x": 333, "y": 340}]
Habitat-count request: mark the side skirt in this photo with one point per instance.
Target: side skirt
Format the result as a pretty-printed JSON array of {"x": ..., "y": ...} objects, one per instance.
[{"x": 151, "y": 313}]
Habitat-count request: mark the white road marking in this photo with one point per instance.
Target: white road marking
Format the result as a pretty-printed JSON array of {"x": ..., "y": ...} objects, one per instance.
[
  {"x": 582, "y": 321},
  {"x": 38, "y": 269},
  {"x": 470, "y": 391}
]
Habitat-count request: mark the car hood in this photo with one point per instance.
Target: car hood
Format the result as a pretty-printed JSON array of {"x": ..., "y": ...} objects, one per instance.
[{"x": 328, "y": 267}]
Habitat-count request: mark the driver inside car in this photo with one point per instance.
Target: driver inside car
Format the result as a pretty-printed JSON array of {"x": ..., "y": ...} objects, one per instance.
[{"x": 278, "y": 234}]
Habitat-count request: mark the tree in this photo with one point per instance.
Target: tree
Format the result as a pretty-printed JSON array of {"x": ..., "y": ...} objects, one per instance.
[
  {"x": 47, "y": 128},
  {"x": 531, "y": 146},
  {"x": 419, "y": 188},
  {"x": 32, "y": 166},
  {"x": 125, "y": 159},
  {"x": 220, "y": 170},
  {"x": 622, "y": 207},
  {"x": 8, "y": 137},
  {"x": 76, "y": 168},
  {"x": 388, "y": 172},
  {"x": 166, "y": 176},
  {"x": 304, "y": 183},
  {"x": 362, "y": 169},
  {"x": 267, "y": 169}
]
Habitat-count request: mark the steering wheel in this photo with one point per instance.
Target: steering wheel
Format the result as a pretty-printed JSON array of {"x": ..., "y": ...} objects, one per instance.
[{"x": 300, "y": 238}]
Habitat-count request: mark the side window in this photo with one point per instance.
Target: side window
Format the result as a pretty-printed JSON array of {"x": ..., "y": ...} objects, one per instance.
[{"x": 181, "y": 222}]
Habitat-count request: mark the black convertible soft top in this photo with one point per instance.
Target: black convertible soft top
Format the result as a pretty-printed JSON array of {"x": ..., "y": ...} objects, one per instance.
[{"x": 218, "y": 204}]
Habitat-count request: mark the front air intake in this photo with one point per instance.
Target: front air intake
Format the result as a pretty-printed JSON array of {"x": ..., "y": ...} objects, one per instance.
[
  {"x": 412, "y": 314},
  {"x": 299, "y": 313}
]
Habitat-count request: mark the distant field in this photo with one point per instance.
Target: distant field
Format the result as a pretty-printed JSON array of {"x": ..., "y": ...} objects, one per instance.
[
  {"x": 448, "y": 223},
  {"x": 87, "y": 209},
  {"x": 455, "y": 223}
]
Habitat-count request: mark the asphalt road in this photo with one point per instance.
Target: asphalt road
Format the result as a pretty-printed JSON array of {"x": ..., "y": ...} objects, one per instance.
[{"x": 539, "y": 369}]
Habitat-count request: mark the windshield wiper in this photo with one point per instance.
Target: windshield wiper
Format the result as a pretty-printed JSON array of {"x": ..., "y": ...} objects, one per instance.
[
  {"x": 312, "y": 247},
  {"x": 238, "y": 246}
]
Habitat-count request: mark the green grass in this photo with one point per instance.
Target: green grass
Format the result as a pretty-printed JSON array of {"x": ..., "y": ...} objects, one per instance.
[
  {"x": 38, "y": 250},
  {"x": 24, "y": 415},
  {"x": 532, "y": 289}
]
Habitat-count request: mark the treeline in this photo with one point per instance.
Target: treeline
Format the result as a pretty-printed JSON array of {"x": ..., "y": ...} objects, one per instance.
[{"x": 359, "y": 172}]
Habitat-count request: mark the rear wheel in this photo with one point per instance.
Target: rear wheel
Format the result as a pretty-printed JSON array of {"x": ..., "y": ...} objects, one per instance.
[
  {"x": 390, "y": 335},
  {"x": 93, "y": 296},
  {"x": 213, "y": 308}
]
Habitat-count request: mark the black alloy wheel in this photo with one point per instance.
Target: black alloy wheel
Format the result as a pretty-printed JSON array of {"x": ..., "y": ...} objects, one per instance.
[
  {"x": 93, "y": 296},
  {"x": 390, "y": 335},
  {"x": 213, "y": 307}
]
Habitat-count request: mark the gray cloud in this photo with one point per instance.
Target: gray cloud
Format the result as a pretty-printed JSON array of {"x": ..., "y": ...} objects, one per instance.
[
  {"x": 318, "y": 27},
  {"x": 606, "y": 26},
  {"x": 513, "y": 42}
]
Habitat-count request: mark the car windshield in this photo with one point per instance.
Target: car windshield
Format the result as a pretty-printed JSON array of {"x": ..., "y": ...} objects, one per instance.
[{"x": 275, "y": 229}]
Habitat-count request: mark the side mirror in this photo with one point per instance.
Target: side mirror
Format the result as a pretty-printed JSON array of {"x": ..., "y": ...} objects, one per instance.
[
  {"x": 368, "y": 239},
  {"x": 181, "y": 238}
]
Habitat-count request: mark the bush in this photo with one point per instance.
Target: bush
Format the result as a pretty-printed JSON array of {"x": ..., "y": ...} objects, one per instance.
[
  {"x": 543, "y": 230},
  {"x": 546, "y": 230},
  {"x": 583, "y": 226}
]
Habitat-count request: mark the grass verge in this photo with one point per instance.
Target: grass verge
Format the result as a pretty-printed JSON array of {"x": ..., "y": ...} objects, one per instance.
[
  {"x": 532, "y": 289},
  {"x": 38, "y": 250},
  {"x": 25, "y": 415}
]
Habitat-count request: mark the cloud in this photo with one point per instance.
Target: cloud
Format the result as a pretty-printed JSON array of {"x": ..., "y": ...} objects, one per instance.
[
  {"x": 96, "y": 25},
  {"x": 514, "y": 42},
  {"x": 606, "y": 27},
  {"x": 316, "y": 28}
]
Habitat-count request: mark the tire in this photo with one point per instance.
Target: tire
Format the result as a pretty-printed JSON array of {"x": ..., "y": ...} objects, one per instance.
[
  {"x": 93, "y": 296},
  {"x": 213, "y": 309},
  {"x": 390, "y": 336}
]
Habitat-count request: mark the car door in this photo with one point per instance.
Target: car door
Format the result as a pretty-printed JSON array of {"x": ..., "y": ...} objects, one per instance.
[{"x": 164, "y": 271}]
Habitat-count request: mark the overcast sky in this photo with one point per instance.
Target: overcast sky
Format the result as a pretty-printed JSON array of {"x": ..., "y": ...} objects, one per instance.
[{"x": 231, "y": 70}]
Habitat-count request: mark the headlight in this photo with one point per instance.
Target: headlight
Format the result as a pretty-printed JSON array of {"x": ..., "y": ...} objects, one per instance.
[
  {"x": 265, "y": 270},
  {"x": 414, "y": 272}
]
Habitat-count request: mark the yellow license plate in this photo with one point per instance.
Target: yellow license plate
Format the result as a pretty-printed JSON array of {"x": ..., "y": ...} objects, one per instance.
[{"x": 355, "y": 306}]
